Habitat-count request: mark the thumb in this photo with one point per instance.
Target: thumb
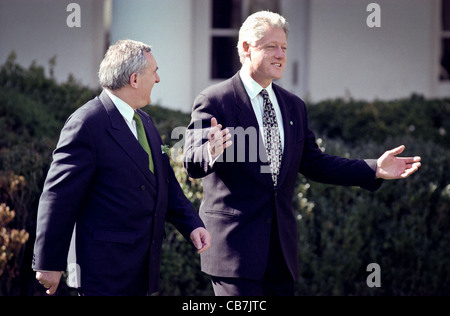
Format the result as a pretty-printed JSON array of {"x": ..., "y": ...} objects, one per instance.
[
  {"x": 213, "y": 122},
  {"x": 52, "y": 289},
  {"x": 397, "y": 150},
  {"x": 196, "y": 240}
]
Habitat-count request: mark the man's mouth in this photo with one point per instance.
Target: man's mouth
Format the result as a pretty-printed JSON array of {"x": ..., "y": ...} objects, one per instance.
[{"x": 277, "y": 65}]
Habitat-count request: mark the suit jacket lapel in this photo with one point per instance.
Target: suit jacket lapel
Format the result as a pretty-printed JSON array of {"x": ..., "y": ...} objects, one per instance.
[
  {"x": 125, "y": 138},
  {"x": 247, "y": 119},
  {"x": 161, "y": 175},
  {"x": 245, "y": 114},
  {"x": 289, "y": 132}
]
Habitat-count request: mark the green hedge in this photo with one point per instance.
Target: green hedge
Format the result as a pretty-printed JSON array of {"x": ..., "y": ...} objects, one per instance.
[
  {"x": 403, "y": 227},
  {"x": 359, "y": 121}
]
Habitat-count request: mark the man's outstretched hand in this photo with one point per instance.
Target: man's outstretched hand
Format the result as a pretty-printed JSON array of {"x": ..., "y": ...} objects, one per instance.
[{"x": 390, "y": 167}]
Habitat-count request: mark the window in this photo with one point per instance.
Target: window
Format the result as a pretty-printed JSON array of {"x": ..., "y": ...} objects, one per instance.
[
  {"x": 227, "y": 14},
  {"x": 444, "y": 69},
  {"x": 227, "y": 17},
  {"x": 258, "y": 5},
  {"x": 226, "y": 20},
  {"x": 225, "y": 60}
]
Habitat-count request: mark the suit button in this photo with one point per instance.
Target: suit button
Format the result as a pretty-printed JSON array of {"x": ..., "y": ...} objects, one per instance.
[
  {"x": 143, "y": 187},
  {"x": 269, "y": 220}
]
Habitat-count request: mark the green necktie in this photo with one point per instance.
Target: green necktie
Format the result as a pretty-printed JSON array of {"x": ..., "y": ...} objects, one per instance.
[{"x": 143, "y": 139}]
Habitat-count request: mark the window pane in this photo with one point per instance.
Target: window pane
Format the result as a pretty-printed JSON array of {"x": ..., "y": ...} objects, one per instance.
[
  {"x": 258, "y": 5},
  {"x": 444, "y": 73},
  {"x": 225, "y": 60},
  {"x": 226, "y": 14},
  {"x": 446, "y": 15}
]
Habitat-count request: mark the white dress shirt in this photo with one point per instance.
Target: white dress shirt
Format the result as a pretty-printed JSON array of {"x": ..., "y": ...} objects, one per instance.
[
  {"x": 126, "y": 110},
  {"x": 253, "y": 90}
]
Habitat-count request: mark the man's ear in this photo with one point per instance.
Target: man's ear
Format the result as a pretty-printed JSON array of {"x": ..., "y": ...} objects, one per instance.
[
  {"x": 134, "y": 80},
  {"x": 246, "y": 47}
]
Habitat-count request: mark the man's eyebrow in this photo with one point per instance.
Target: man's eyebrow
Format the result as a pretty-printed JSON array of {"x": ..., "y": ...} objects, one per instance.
[{"x": 276, "y": 43}]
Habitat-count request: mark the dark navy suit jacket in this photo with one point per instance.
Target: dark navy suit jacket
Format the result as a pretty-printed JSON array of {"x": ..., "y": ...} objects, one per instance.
[
  {"x": 100, "y": 180},
  {"x": 239, "y": 199}
]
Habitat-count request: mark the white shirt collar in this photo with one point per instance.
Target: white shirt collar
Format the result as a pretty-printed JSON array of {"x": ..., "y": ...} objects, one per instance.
[
  {"x": 252, "y": 87},
  {"x": 124, "y": 108}
]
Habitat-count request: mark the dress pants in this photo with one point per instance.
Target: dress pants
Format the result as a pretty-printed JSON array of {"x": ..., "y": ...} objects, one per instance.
[{"x": 277, "y": 279}]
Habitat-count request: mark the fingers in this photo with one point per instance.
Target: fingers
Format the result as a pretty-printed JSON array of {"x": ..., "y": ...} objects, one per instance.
[
  {"x": 196, "y": 240},
  {"x": 213, "y": 122},
  {"x": 391, "y": 167},
  {"x": 218, "y": 139},
  {"x": 52, "y": 289},
  {"x": 49, "y": 280},
  {"x": 396, "y": 151},
  {"x": 219, "y": 135},
  {"x": 205, "y": 243},
  {"x": 410, "y": 170},
  {"x": 410, "y": 160},
  {"x": 201, "y": 239},
  {"x": 203, "y": 248},
  {"x": 399, "y": 150},
  {"x": 412, "y": 164},
  {"x": 407, "y": 160},
  {"x": 215, "y": 130}
]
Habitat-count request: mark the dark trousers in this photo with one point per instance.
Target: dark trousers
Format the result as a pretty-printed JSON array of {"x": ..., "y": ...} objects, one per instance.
[{"x": 277, "y": 279}]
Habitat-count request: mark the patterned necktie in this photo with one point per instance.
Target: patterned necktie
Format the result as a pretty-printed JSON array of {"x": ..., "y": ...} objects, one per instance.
[
  {"x": 143, "y": 139},
  {"x": 272, "y": 137}
]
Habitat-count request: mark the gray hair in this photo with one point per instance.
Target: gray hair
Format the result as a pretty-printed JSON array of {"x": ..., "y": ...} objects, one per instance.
[
  {"x": 254, "y": 27},
  {"x": 121, "y": 60}
]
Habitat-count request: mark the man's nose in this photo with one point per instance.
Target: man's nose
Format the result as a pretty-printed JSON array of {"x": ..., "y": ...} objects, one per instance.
[{"x": 280, "y": 53}]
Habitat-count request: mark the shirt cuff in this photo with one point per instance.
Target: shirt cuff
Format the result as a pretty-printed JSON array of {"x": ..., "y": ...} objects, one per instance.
[{"x": 212, "y": 159}]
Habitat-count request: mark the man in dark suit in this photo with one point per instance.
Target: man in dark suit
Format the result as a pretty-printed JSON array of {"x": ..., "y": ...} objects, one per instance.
[
  {"x": 118, "y": 194},
  {"x": 249, "y": 168}
]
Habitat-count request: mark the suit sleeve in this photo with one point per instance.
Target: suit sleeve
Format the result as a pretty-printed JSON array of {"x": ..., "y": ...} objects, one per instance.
[
  {"x": 65, "y": 187},
  {"x": 324, "y": 168},
  {"x": 181, "y": 212},
  {"x": 196, "y": 158}
]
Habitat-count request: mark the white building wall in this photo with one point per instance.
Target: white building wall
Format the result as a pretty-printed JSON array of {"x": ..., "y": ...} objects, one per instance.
[
  {"x": 167, "y": 27},
  {"x": 295, "y": 77},
  {"x": 202, "y": 47},
  {"x": 37, "y": 30},
  {"x": 332, "y": 52},
  {"x": 296, "y": 74},
  {"x": 347, "y": 58}
]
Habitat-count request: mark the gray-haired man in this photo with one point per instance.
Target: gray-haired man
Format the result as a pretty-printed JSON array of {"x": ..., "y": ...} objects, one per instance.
[{"x": 118, "y": 194}]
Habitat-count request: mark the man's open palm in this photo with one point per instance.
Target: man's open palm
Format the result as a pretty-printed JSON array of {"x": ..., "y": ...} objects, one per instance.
[{"x": 391, "y": 167}]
